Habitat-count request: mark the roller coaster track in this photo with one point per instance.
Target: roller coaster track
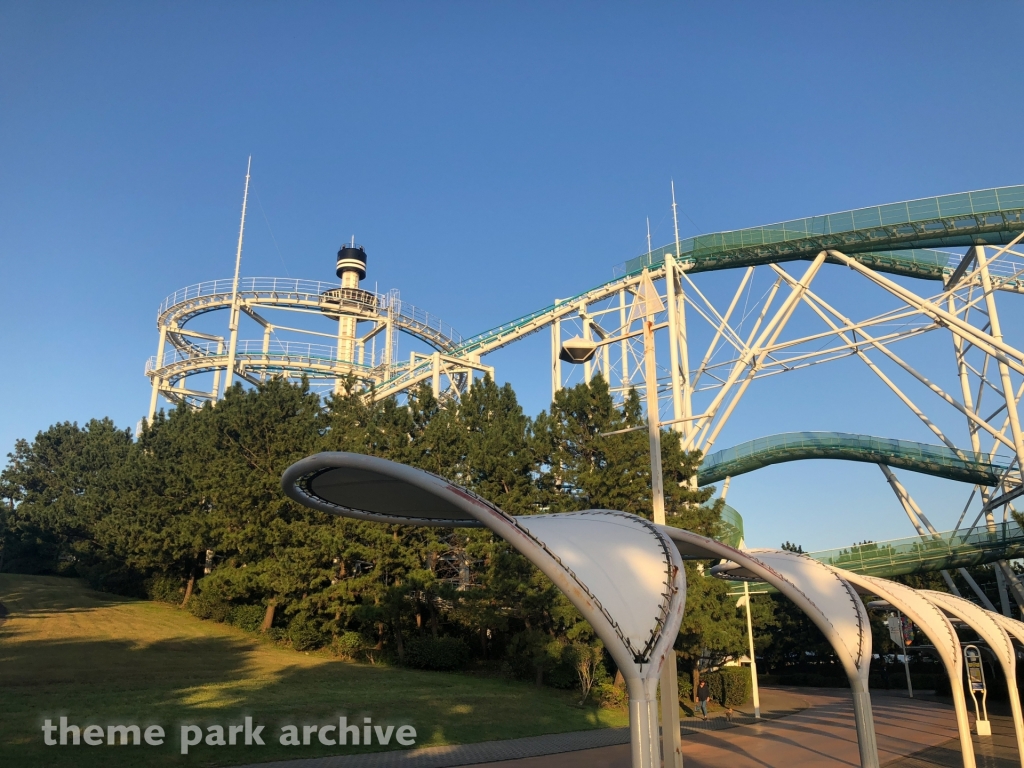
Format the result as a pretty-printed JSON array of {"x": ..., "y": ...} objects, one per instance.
[
  {"x": 936, "y": 460},
  {"x": 894, "y": 238},
  {"x": 187, "y": 303},
  {"x": 195, "y": 353},
  {"x": 938, "y": 551}
]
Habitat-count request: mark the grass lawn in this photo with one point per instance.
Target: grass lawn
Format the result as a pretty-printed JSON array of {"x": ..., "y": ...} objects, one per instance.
[{"x": 95, "y": 658}]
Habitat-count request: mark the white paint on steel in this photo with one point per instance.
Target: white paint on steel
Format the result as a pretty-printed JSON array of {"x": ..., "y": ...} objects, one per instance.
[
  {"x": 986, "y": 624},
  {"x": 620, "y": 571},
  {"x": 933, "y": 622},
  {"x": 827, "y": 599}
]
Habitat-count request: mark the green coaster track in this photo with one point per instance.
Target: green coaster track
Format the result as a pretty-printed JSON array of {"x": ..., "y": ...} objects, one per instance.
[{"x": 937, "y": 460}]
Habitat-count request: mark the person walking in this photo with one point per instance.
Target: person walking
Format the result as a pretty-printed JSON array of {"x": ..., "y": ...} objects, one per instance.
[{"x": 703, "y": 694}]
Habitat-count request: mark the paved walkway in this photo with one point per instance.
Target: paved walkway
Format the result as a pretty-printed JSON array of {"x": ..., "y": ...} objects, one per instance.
[
  {"x": 814, "y": 727},
  {"x": 996, "y": 751}
]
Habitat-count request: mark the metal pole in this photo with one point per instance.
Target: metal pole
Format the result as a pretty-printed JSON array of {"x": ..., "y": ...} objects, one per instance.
[
  {"x": 556, "y": 363},
  {"x": 670, "y": 736},
  {"x": 157, "y": 381},
  {"x": 906, "y": 661},
  {"x": 673, "y": 340},
  {"x": 623, "y": 330},
  {"x": 233, "y": 326},
  {"x": 753, "y": 660},
  {"x": 653, "y": 426}
]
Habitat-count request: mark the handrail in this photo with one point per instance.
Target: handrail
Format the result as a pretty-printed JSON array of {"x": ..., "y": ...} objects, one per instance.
[
  {"x": 949, "y": 549},
  {"x": 937, "y": 460},
  {"x": 987, "y": 216},
  {"x": 312, "y": 291}
]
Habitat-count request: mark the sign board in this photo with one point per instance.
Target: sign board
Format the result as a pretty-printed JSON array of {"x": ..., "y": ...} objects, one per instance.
[
  {"x": 901, "y": 630},
  {"x": 975, "y": 673}
]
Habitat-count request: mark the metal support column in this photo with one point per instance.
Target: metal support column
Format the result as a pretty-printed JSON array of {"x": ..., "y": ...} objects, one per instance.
[
  {"x": 670, "y": 735},
  {"x": 233, "y": 325},
  {"x": 157, "y": 381},
  {"x": 556, "y": 363}
]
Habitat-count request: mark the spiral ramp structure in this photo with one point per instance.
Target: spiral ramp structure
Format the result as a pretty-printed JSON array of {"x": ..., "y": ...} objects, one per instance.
[{"x": 370, "y": 360}]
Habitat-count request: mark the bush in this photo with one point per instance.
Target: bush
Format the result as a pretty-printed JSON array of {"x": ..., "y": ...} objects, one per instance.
[
  {"x": 204, "y": 606},
  {"x": 730, "y": 686},
  {"x": 305, "y": 635},
  {"x": 247, "y": 617},
  {"x": 442, "y": 654},
  {"x": 349, "y": 645},
  {"x": 165, "y": 589},
  {"x": 610, "y": 695},
  {"x": 685, "y": 685}
]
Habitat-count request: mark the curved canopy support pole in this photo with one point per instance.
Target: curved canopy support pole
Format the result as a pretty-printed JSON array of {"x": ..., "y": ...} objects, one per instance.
[
  {"x": 620, "y": 571},
  {"x": 988, "y": 627},
  {"x": 939, "y": 630},
  {"x": 828, "y": 600}
]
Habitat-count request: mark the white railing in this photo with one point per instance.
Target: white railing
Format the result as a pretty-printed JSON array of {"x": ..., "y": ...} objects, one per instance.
[
  {"x": 310, "y": 290},
  {"x": 251, "y": 348}
]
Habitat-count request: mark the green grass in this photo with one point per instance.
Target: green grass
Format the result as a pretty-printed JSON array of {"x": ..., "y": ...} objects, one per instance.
[{"x": 100, "y": 659}]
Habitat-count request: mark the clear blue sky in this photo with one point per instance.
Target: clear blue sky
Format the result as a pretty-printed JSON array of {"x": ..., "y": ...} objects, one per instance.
[{"x": 491, "y": 156}]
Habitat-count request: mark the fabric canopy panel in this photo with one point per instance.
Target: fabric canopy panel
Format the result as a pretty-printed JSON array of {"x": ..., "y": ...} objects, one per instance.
[
  {"x": 933, "y": 622},
  {"x": 625, "y": 566},
  {"x": 828, "y": 600},
  {"x": 621, "y": 571},
  {"x": 995, "y": 636},
  {"x": 370, "y": 488}
]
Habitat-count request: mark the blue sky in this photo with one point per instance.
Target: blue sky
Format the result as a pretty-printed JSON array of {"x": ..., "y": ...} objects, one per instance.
[{"x": 490, "y": 156}]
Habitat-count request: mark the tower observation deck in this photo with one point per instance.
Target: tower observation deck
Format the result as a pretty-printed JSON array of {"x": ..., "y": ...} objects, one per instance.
[{"x": 194, "y": 364}]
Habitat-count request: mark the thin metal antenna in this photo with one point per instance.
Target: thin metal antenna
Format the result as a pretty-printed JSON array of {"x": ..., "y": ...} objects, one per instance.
[
  {"x": 353, "y": 241},
  {"x": 233, "y": 323},
  {"x": 675, "y": 218},
  {"x": 648, "y": 235},
  {"x": 241, "y": 233}
]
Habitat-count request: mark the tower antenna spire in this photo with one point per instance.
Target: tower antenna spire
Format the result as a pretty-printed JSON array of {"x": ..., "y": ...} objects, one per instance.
[
  {"x": 648, "y": 235},
  {"x": 229, "y": 374},
  {"x": 675, "y": 218},
  {"x": 241, "y": 232}
]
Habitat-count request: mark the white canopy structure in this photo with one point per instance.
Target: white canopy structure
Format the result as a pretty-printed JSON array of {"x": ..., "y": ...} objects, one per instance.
[
  {"x": 933, "y": 622},
  {"x": 622, "y": 573},
  {"x": 990, "y": 629},
  {"x": 828, "y": 600}
]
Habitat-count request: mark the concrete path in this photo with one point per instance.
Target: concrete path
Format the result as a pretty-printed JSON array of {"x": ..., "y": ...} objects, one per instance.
[
  {"x": 996, "y": 751},
  {"x": 822, "y": 734}
]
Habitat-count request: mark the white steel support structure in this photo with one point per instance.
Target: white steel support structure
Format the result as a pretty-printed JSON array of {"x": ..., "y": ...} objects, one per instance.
[{"x": 233, "y": 321}]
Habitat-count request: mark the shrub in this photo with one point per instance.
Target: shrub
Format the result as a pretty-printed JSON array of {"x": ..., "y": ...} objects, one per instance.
[
  {"x": 685, "y": 685},
  {"x": 247, "y": 617},
  {"x": 305, "y": 635},
  {"x": 165, "y": 589},
  {"x": 204, "y": 606},
  {"x": 610, "y": 695},
  {"x": 349, "y": 645},
  {"x": 730, "y": 686},
  {"x": 442, "y": 654}
]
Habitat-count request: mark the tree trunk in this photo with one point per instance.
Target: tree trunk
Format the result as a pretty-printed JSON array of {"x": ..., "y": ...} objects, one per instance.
[
  {"x": 696, "y": 682},
  {"x": 483, "y": 642},
  {"x": 620, "y": 681},
  {"x": 539, "y": 680},
  {"x": 398, "y": 642},
  {"x": 380, "y": 637},
  {"x": 433, "y": 619},
  {"x": 188, "y": 590},
  {"x": 268, "y": 617}
]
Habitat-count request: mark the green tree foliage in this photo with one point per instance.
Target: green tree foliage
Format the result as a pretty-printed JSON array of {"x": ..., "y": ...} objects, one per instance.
[{"x": 193, "y": 505}]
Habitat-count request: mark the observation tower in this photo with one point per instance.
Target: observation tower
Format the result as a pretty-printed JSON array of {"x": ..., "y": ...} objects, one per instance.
[{"x": 197, "y": 358}]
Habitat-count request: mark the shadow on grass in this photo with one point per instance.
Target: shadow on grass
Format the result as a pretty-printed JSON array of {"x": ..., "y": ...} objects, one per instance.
[{"x": 219, "y": 681}]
